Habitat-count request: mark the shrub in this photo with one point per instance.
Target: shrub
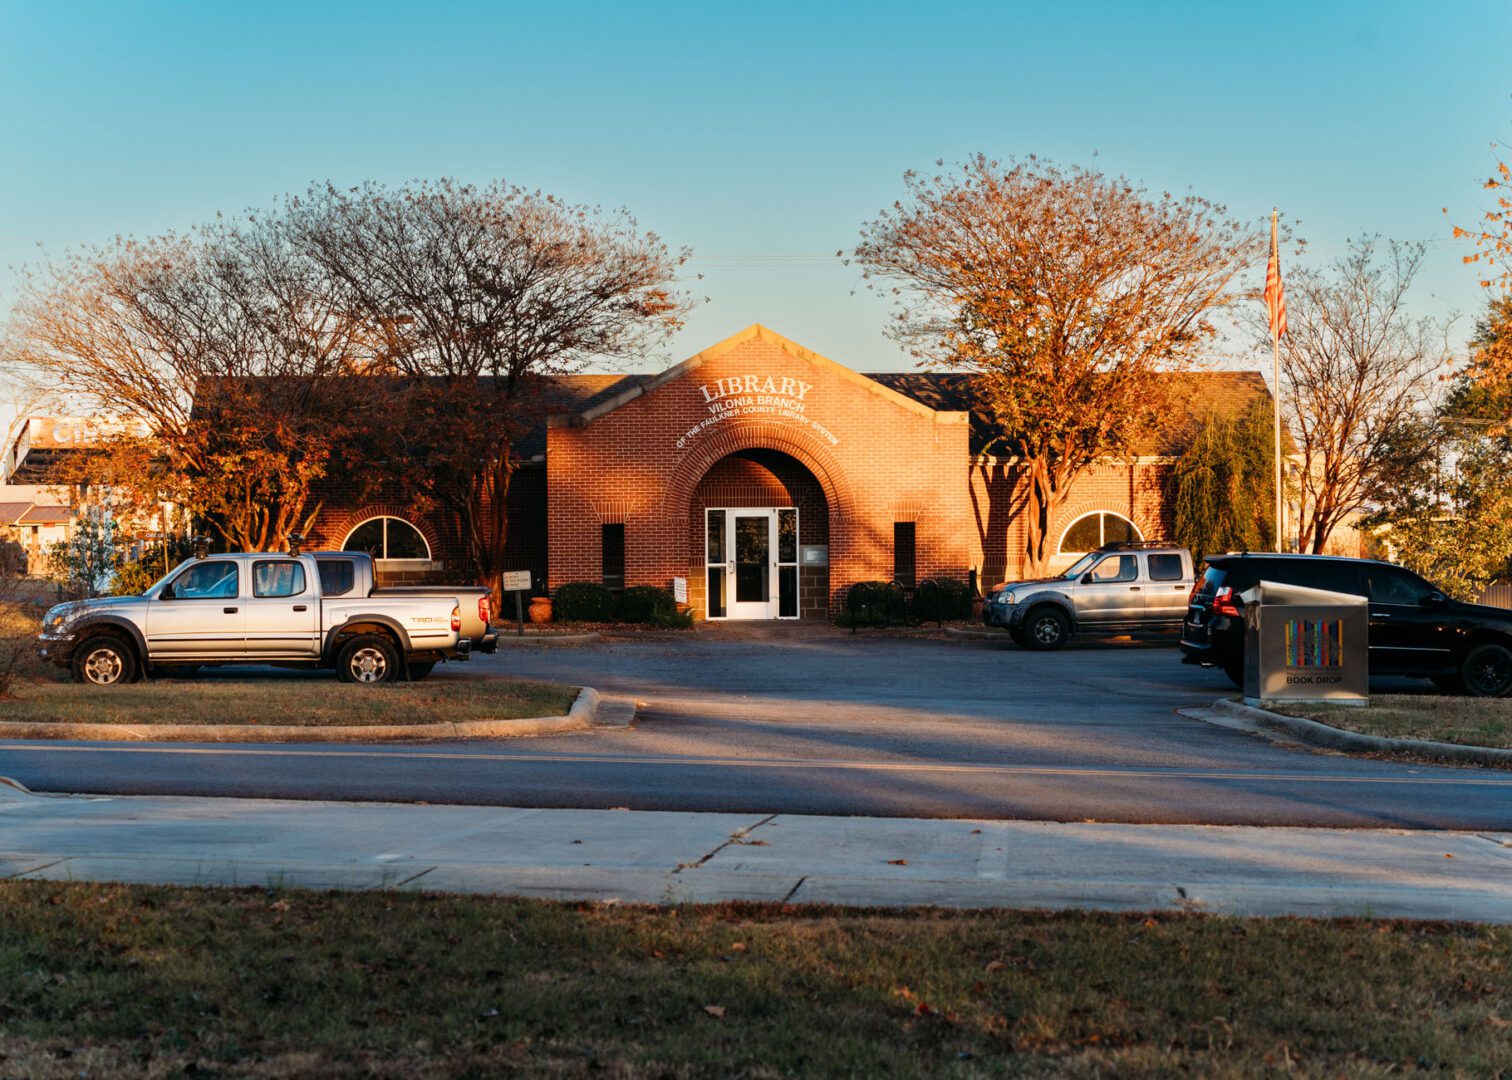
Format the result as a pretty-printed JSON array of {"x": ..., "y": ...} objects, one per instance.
[
  {"x": 582, "y": 601},
  {"x": 874, "y": 603},
  {"x": 646, "y": 604},
  {"x": 941, "y": 598}
]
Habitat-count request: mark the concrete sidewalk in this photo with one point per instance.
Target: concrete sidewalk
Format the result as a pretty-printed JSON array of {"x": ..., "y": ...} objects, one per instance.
[{"x": 652, "y": 857}]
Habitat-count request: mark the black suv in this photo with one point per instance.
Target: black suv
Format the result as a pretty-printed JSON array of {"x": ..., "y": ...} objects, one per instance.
[{"x": 1414, "y": 628}]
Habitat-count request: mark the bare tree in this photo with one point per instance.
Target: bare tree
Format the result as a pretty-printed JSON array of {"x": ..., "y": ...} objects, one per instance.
[
  {"x": 1069, "y": 292},
  {"x": 227, "y": 346},
  {"x": 476, "y": 292},
  {"x": 1358, "y": 374}
]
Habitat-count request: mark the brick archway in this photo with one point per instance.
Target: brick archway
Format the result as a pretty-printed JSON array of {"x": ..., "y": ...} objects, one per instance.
[
  {"x": 338, "y": 529},
  {"x": 758, "y": 435}
]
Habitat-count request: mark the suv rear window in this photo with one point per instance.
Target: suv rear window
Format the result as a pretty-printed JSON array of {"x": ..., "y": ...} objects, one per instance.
[
  {"x": 337, "y": 576},
  {"x": 1212, "y": 577},
  {"x": 1329, "y": 574}
]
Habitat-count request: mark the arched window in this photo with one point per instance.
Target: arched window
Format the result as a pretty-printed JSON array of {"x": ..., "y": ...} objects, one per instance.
[
  {"x": 1091, "y": 531},
  {"x": 388, "y": 538}
]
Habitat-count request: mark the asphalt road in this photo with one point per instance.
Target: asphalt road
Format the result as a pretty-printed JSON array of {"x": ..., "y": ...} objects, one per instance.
[{"x": 827, "y": 724}]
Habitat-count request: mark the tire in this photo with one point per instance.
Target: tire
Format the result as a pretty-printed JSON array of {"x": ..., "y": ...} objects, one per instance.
[
  {"x": 368, "y": 659},
  {"x": 1447, "y": 684},
  {"x": 419, "y": 669},
  {"x": 1487, "y": 671},
  {"x": 1017, "y": 634},
  {"x": 105, "y": 660},
  {"x": 1046, "y": 628},
  {"x": 1234, "y": 669}
]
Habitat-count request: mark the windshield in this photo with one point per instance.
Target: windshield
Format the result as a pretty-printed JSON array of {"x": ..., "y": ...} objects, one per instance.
[{"x": 1079, "y": 567}]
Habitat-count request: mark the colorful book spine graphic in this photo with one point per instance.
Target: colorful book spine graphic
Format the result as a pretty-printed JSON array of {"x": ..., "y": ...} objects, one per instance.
[{"x": 1314, "y": 643}]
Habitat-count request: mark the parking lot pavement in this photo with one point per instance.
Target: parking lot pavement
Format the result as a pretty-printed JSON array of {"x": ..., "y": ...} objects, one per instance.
[
  {"x": 691, "y": 857},
  {"x": 829, "y": 724}
]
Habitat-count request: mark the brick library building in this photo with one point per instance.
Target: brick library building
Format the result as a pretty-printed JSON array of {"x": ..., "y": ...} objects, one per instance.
[{"x": 768, "y": 479}]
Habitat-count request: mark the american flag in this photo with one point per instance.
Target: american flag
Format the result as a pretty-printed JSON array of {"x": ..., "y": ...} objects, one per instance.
[{"x": 1275, "y": 296}]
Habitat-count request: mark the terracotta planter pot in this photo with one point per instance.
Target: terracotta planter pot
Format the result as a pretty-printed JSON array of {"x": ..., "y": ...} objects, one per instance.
[{"x": 540, "y": 609}]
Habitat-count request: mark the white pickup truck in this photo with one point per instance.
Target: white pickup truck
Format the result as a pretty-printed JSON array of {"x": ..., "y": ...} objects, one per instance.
[{"x": 252, "y": 609}]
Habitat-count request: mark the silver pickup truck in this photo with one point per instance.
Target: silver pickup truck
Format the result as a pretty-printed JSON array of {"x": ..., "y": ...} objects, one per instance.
[
  {"x": 251, "y": 609},
  {"x": 1119, "y": 587}
]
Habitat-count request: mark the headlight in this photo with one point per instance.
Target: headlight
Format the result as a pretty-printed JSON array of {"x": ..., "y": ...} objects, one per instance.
[
  {"x": 1005, "y": 597},
  {"x": 53, "y": 621}
]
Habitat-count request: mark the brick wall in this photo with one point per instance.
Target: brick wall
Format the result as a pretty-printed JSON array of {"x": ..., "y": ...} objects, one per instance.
[{"x": 874, "y": 456}]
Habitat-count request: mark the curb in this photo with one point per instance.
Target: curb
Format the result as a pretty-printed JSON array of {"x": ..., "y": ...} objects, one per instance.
[
  {"x": 578, "y": 718},
  {"x": 517, "y": 642},
  {"x": 1316, "y": 734}
]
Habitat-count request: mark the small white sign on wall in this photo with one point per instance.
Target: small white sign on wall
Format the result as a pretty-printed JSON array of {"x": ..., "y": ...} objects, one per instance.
[
  {"x": 517, "y": 581},
  {"x": 680, "y": 589}
]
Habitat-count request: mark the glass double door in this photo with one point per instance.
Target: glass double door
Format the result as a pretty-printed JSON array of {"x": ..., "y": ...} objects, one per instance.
[{"x": 751, "y": 563}]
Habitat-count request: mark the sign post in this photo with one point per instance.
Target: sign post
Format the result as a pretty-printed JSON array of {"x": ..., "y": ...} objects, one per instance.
[{"x": 517, "y": 582}]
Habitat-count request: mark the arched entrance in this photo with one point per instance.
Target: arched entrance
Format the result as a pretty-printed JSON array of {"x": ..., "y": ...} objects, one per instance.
[{"x": 759, "y": 539}]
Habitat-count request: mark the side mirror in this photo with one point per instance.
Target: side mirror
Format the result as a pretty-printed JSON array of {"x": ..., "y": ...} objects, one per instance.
[
  {"x": 167, "y": 593},
  {"x": 1434, "y": 599},
  {"x": 1087, "y": 578}
]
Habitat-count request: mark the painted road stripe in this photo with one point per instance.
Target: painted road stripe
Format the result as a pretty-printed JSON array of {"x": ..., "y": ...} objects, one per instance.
[{"x": 765, "y": 763}]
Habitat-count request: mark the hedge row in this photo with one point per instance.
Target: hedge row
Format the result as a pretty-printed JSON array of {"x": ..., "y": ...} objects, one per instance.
[
  {"x": 886, "y": 603},
  {"x": 588, "y": 601}
]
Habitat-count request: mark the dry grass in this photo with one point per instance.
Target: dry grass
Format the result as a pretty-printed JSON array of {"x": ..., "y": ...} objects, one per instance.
[
  {"x": 153, "y": 981},
  {"x": 1437, "y": 717},
  {"x": 295, "y": 699}
]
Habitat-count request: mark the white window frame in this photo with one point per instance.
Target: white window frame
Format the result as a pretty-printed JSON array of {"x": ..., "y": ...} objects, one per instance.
[
  {"x": 1102, "y": 531},
  {"x": 386, "y": 518}
]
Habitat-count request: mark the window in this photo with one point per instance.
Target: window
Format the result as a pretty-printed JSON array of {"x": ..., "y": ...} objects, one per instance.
[
  {"x": 1165, "y": 567},
  {"x": 1388, "y": 585},
  {"x": 612, "y": 541},
  {"x": 275, "y": 578},
  {"x": 1092, "y": 531},
  {"x": 206, "y": 581},
  {"x": 388, "y": 538},
  {"x": 1116, "y": 568},
  {"x": 904, "y": 553},
  {"x": 337, "y": 576}
]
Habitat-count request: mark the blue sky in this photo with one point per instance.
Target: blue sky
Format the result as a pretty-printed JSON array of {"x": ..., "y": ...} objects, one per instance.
[{"x": 760, "y": 135}]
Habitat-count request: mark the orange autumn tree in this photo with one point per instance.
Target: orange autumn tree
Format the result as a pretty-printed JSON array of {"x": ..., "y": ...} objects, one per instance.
[
  {"x": 1068, "y": 293},
  {"x": 1490, "y": 366},
  {"x": 226, "y": 349}
]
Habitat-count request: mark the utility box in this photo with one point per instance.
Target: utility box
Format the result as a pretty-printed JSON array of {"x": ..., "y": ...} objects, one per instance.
[{"x": 1305, "y": 644}]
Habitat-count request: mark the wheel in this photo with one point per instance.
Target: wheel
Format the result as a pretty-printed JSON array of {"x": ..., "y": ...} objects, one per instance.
[
  {"x": 419, "y": 669},
  {"x": 367, "y": 658},
  {"x": 1234, "y": 669},
  {"x": 1046, "y": 628},
  {"x": 1447, "y": 684},
  {"x": 1487, "y": 671},
  {"x": 1017, "y": 634},
  {"x": 105, "y": 660}
]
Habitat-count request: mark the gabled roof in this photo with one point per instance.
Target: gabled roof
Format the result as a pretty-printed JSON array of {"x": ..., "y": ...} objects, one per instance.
[
  {"x": 10, "y": 512},
  {"x": 47, "y": 515},
  {"x": 754, "y": 332}
]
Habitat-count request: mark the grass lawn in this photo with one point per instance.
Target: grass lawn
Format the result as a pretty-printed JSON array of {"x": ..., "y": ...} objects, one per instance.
[
  {"x": 113, "y": 980},
  {"x": 1439, "y": 717},
  {"x": 301, "y": 701}
]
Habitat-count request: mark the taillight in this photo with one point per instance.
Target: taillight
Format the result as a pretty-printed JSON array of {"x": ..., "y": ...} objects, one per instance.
[
  {"x": 456, "y": 617},
  {"x": 1192, "y": 596},
  {"x": 1224, "y": 603},
  {"x": 483, "y": 610}
]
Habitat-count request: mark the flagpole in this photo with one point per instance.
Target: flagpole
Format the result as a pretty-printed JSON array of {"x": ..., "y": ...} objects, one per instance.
[{"x": 1276, "y": 383}]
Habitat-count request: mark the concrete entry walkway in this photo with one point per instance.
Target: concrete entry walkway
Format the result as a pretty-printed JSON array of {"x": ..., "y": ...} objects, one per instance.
[{"x": 683, "y": 857}]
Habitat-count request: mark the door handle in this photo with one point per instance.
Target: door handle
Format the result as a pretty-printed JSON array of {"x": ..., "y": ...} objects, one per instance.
[
  {"x": 230, "y": 610},
  {"x": 1133, "y": 588},
  {"x": 1380, "y": 615},
  {"x": 301, "y": 607}
]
